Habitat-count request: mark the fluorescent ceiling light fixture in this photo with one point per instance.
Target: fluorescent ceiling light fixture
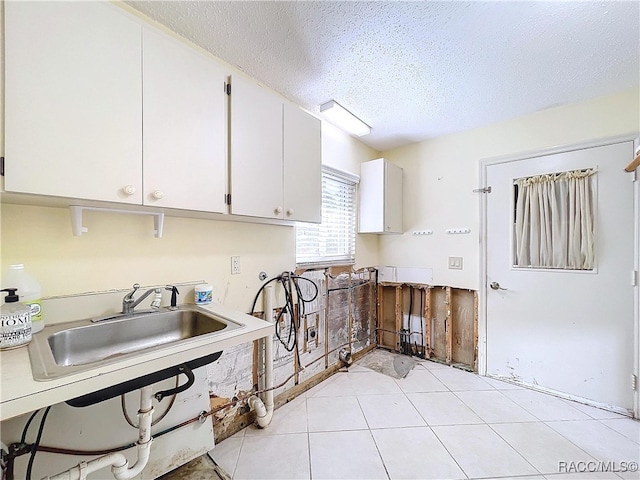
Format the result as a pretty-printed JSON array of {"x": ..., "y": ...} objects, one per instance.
[{"x": 344, "y": 119}]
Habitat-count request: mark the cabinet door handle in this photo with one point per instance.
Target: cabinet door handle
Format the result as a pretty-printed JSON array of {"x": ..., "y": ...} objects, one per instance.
[
  {"x": 290, "y": 212},
  {"x": 278, "y": 210},
  {"x": 157, "y": 194},
  {"x": 129, "y": 189}
]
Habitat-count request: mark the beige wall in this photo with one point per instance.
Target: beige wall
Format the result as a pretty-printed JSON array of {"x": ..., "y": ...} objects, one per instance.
[{"x": 440, "y": 174}]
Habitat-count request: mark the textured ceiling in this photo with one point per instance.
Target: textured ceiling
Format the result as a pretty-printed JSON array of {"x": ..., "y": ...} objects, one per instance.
[{"x": 416, "y": 70}]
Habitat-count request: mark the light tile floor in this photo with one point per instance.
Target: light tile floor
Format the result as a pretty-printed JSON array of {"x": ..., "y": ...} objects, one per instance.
[{"x": 437, "y": 423}]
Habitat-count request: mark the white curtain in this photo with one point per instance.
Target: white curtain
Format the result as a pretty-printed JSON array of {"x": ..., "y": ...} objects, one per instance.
[{"x": 554, "y": 221}]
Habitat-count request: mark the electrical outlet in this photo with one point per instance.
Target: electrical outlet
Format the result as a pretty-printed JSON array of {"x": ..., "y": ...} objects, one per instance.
[
  {"x": 235, "y": 265},
  {"x": 455, "y": 263},
  {"x": 311, "y": 334},
  {"x": 311, "y": 337}
]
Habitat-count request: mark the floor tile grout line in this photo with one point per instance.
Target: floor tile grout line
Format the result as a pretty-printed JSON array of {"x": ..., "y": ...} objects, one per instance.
[
  {"x": 575, "y": 444},
  {"x": 600, "y": 421},
  {"x": 306, "y": 415},
  {"x": 469, "y": 406},
  {"x": 503, "y": 439},
  {"x": 545, "y": 394},
  {"x": 384, "y": 465},
  {"x": 537, "y": 419},
  {"x": 237, "y": 462},
  {"x": 520, "y": 453},
  {"x": 450, "y": 454}
]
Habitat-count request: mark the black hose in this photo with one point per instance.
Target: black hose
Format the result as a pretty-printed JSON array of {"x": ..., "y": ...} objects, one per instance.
[
  {"x": 34, "y": 448},
  {"x": 26, "y": 427},
  {"x": 290, "y": 283}
]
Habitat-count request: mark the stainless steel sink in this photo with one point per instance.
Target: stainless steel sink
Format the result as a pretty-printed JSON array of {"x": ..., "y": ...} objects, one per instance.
[{"x": 69, "y": 348}]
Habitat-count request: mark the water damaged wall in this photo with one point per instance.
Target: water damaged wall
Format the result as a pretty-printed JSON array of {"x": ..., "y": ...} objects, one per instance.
[{"x": 341, "y": 317}]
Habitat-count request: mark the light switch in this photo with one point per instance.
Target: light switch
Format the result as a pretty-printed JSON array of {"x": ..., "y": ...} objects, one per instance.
[{"x": 455, "y": 263}]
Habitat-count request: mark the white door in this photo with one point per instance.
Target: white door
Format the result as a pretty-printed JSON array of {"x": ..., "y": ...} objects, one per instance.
[
  {"x": 568, "y": 331},
  {"x": 185, "y": 126}
]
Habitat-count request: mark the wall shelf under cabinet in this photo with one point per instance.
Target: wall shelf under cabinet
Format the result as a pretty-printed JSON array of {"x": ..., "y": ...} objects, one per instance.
[{"x": 77, "y": 211}]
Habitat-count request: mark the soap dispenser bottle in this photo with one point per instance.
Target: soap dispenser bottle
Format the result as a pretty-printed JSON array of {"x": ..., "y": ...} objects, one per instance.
[{"x": 15, "y": 321}]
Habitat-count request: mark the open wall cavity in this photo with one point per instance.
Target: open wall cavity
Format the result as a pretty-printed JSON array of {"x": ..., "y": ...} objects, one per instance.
[
  {"x": 341, "y": 317},
  {"x": 439, "y": 323}
]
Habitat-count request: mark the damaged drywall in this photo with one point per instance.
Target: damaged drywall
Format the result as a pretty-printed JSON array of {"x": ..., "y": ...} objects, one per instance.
[
  {"x": 341, "y": 316},
  {"x": 440, "y": 323}
]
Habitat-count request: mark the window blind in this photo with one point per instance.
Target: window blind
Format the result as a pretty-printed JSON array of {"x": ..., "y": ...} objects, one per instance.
[{"x": 334, "y": 240}]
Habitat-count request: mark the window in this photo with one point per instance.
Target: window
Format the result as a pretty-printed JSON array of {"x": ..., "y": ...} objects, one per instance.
[
  {"x": 554, "y": 221},
  {"x": 333, "y": 242}
]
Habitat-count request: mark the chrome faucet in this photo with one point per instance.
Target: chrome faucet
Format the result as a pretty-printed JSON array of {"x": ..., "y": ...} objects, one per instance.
[{"x": 129, "y": 303}]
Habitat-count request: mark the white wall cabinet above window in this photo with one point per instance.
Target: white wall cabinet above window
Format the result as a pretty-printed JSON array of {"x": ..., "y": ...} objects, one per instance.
[
  {"x": 185, "y": 128},
  {"x": 275, "y": 156},
  {"x": 380, "y": 197},
  {"x": 73, "y": 101}
]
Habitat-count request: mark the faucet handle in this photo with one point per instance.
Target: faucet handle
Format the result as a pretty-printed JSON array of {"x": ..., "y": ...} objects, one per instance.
[
  {"x": 174, "y": 294},
  {"x": 129, "y": 296},
  {"x": 157, "y": 299}
]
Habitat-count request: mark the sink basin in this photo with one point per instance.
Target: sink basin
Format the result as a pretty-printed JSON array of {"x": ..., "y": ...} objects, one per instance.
[{"x": 64, "y": 349}]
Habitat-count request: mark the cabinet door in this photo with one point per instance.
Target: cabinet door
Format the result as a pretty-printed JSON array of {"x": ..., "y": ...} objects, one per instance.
[
  {"x": 380, "y": 197},
  {"x": 73, "y": 111},
  {"x": 393, "y": 198},
  {"x": 371, "y": 197},
  {"x": 185, "y": 134},
  {"x": 302, "y": 166},
  {"x": 256, "y": 150}
]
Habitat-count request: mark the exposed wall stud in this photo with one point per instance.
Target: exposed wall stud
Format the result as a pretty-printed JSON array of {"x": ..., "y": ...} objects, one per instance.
[
  {"x": 398, "y": 316},
  {"x": 380, "y": 318},
  {"x": 449, "y": 324},
  {"x": 427, "y": 322}
]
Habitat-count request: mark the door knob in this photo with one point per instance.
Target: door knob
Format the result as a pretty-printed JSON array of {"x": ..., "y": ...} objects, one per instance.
[{"x": 496, "y": 286}]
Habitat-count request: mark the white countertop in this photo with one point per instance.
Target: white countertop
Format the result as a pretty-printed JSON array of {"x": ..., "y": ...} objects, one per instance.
[{"x": 20, "y": 393}]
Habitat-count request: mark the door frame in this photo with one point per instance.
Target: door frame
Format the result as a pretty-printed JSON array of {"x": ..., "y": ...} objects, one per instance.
[{"x": 482, "y": 244}]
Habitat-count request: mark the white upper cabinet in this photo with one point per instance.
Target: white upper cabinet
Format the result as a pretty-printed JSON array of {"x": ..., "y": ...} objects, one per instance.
[
  {"x": 302, "y": 166},
  {"x": 275, "y": 156},
  {"x": 73, "y": 101},
  {"x": 185, "y": 126},
  {"x": 256, "y": 150},
  {"x": 380, "y": 197}
]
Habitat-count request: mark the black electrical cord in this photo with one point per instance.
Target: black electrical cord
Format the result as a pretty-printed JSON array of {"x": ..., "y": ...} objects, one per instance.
[
  {"x": 26, "y": 427},
  {"x": 290, "y": 283},
  {"x": 34, "y": 447},
  {"x": 123, "y": 406}
]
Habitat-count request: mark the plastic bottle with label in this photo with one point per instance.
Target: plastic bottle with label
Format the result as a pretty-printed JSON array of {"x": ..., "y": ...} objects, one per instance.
[
  {"x": 29, "y": 291},
  {"x": 15, "y": 321}
]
